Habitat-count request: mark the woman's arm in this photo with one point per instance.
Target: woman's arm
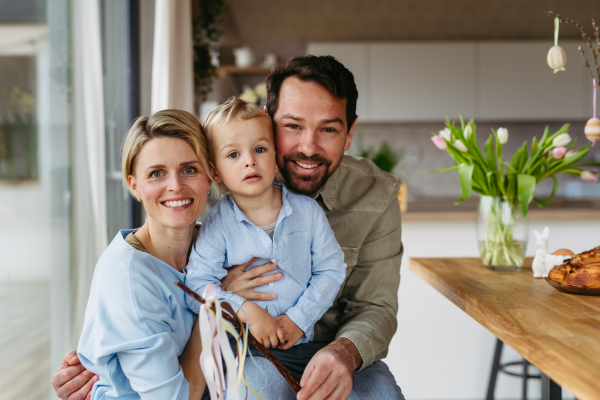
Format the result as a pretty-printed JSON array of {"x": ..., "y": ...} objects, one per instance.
[
  {"x": 242, "y": 282},
  {"x": 190, "y": 364}
]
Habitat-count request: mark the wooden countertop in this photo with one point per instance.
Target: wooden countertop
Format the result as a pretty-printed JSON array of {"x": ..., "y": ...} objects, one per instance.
[
  {"x": 558, "y": 332},
  {"x": 444, "y": 210}
]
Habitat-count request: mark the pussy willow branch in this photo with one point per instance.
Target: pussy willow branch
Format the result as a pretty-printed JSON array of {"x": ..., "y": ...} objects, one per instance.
[
  {"x": 588, "y": 39},
  {"x": 229, "y": 316}
]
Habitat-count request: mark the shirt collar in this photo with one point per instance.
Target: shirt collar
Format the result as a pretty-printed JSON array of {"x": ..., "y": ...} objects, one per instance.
[
  {"x": 286, "y": 209},
  {"x": 329, "y": 189}
]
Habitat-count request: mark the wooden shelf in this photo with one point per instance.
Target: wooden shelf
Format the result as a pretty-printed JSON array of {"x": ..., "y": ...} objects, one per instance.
[{"x": 225, "y": 70}]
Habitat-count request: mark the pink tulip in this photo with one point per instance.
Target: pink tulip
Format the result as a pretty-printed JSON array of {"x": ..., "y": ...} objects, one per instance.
[
  {"x": 439, "y": 142},
  {"x": 559, "y": 152},
  {"x": 571, "y": 152},
  {"x": 589, "y": 176}
]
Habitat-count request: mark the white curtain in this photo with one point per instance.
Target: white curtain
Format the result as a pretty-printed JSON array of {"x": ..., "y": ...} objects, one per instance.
[
  {"x": 173, "y": 60},
  {"x": 88, "y": 227}
]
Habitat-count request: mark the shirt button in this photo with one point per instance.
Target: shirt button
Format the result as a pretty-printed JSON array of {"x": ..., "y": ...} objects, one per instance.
[
  {"x": 274, "y": 261},
  {"x": 271, "y": 284},
  {"x": 190, "y": 272}
]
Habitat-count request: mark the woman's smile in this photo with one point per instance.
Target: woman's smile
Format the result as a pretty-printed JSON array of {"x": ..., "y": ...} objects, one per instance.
[{"x": 178, "y": 203}]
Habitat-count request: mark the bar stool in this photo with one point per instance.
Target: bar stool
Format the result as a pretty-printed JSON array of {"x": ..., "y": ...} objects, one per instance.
[{"x": 497, "y": 367}]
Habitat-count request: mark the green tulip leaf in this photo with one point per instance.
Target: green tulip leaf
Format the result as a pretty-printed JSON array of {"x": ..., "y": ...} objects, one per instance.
[
  {"x": 490, "y": 156},
  {"x": 465, "y": 173},
  {"x": 525, "y": 188},
  {"x": 546, "y": 201}
]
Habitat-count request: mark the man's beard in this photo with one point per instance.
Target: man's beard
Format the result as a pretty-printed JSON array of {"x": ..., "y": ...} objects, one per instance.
[{"x": 307, "y": 185}]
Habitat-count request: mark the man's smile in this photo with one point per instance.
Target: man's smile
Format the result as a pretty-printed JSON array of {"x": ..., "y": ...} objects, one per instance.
[{"x": 307, "y": 166}]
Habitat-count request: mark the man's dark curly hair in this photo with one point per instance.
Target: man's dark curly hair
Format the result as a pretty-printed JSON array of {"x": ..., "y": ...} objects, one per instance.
[{"x": 323, "y": 70}]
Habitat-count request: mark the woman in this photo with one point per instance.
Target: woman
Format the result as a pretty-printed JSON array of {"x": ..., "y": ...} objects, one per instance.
[{"x": 137, "y": 324}]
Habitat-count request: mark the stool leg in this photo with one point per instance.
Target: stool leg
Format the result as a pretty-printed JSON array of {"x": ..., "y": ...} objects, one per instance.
[
  {"x": 550, "y": 389},
  {"x": 495, "y": 370},
  {"x": 525, "y": 373}
]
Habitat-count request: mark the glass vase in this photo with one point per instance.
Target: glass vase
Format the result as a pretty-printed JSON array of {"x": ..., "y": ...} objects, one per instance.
[{"x": 502, "y": 233}]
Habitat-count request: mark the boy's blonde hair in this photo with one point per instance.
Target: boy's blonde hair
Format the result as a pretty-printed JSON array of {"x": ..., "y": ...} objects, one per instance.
[
  {"x": 166, "y": 123},
  {"x": 233, "y": 108}
]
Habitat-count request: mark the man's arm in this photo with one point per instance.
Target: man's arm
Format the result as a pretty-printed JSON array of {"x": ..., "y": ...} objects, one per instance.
[
  {"x": 370, "y": 295},
  {"x": 370, "y": 299}
]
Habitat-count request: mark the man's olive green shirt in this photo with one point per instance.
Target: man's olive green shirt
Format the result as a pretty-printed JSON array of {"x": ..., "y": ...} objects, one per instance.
[{"x": 361, "y": 204}]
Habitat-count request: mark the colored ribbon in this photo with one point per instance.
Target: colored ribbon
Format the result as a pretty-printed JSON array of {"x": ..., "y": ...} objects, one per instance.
[
  {"x": 556, "y": 24},
  {"x": 594, "y": 98},
  {"x": 213, "y": 333}
]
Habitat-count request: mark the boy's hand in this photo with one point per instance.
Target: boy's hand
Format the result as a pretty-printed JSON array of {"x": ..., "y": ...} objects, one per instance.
[
  {"x": 290, "y": 330},
  {"x": 262, "y": 325}
]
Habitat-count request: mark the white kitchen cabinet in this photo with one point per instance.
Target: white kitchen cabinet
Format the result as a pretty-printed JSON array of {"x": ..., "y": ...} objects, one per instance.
[
  {"x": 421, "y": 81},
  {"x": 490, "y": 81},
  {"x": 354, "y": 56},
  {"x": 516, "y": 83}
]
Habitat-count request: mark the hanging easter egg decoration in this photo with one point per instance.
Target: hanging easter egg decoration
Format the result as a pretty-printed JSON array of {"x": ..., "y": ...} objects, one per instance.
[
  {"x": 556, "y": 56},
  {"x": 592, "y": 127}
]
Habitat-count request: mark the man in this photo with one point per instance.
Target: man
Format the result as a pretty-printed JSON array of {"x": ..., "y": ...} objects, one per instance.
[{"x": 312, "y": 101}]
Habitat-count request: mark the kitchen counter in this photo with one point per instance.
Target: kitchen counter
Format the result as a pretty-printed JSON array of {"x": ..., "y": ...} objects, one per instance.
[
  {"x": 557, "y": 332},
  {"x": 441, "y": 210}
]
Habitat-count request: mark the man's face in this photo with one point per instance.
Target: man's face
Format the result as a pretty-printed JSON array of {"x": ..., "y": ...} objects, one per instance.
[{"x": 311, "y": 134}]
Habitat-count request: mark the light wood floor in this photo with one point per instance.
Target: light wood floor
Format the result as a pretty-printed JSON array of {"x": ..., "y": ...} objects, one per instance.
[{"x": 24, "y": 340}]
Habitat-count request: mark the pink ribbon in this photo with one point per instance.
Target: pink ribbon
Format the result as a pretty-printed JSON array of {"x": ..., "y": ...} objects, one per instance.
[{"x": 594, "y": 101}]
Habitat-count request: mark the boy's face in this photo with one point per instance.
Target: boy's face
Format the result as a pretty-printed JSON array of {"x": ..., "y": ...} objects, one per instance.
[{"x": 244, "y": 156}]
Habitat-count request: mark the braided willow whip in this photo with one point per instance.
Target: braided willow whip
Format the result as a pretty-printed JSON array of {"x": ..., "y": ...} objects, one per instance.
[{"x": 229, "y": 316}]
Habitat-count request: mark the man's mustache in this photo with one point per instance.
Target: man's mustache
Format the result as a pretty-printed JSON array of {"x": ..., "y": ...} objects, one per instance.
[{"x": 315, "y": 159}]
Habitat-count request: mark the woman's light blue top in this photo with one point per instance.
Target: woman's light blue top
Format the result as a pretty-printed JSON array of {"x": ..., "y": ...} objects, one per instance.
[
  {"x": 136, "y": 326},
  {"x": 303, "y": 246}
]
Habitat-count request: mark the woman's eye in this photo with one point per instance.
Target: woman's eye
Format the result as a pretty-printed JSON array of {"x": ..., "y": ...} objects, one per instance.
[
  {"x": 260, "y": 150},
  {"x": 189, "y": 170},
  {"x": 233, "y": 154},
  {"x": 155, "y": 174}
]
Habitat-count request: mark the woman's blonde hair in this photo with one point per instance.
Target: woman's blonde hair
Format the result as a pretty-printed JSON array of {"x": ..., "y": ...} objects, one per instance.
[
  {"x": 234, "y": 107},
  {"x": 166, "y": 123}
]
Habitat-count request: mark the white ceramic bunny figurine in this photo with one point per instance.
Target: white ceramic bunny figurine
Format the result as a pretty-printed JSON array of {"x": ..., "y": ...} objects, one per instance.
[
  {"x": 539, "y": 261},
  {"x": 543, "y": 262}
]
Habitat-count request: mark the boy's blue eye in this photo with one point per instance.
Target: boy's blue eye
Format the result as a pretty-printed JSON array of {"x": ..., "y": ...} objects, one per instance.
[
  {"x": 329, "y": 130},
  {"x": 233, "y": 154},
  {"x": 260, "y": 150},
  {"x": 293, "y": 126}
]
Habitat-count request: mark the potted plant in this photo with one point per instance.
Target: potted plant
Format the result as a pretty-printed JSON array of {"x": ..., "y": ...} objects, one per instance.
[{"x": 506, "y": 186}]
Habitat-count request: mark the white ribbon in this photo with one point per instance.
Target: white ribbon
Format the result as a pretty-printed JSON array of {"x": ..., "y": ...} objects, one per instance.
[{"x": 213, "y": 333}]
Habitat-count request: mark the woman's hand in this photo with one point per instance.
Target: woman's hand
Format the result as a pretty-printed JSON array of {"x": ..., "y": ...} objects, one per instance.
[
  {"x": 71, "y": 380},
  {"x": 242, "y": 282}
]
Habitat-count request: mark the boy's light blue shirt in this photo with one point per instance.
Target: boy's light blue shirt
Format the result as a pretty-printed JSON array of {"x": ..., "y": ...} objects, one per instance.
[
  {"x": 136, "y": 326},
  {"x": 303, "y": 246}
]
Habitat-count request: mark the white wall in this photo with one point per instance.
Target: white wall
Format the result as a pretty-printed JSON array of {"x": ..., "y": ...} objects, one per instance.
[{"x": 439, "y": 352}]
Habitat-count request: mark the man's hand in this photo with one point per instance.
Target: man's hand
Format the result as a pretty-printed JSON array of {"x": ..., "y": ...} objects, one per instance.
[
  {"x": 329, "y": 374},
  {"x": 291, "y": 332},
  {"x": 242, "y": 282},
  {"x": 71, "y": 380},
  {"x": 262, "y": 325}
]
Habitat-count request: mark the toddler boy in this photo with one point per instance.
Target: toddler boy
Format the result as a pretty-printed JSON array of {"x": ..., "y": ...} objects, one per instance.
[{"x": 260, "y": 218}]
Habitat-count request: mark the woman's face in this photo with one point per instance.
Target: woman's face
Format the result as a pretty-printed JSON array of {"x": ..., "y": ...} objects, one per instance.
[{"x": 170, "y": 182}]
